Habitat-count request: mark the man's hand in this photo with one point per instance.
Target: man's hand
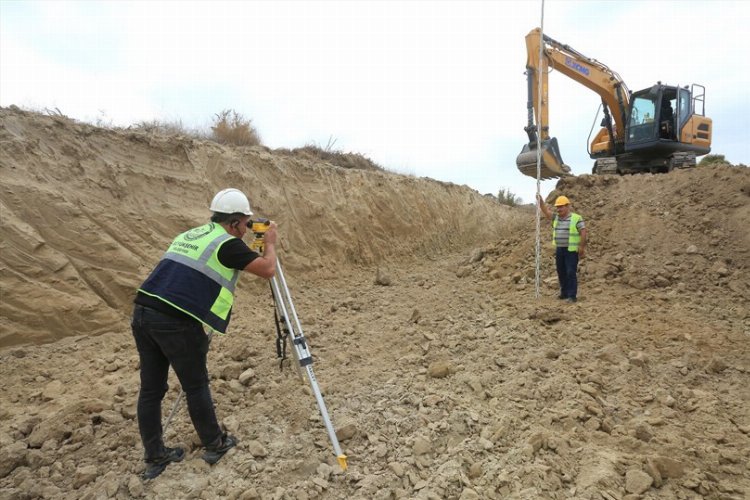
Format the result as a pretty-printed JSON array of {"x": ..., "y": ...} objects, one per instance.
[
  {"x": 581, "y": 252},
  {"x": 269, "y": 238},
  {"x": 265, "y": 265}
]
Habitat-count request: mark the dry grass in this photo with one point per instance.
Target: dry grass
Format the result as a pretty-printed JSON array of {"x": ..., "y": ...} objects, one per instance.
[
  {"x": 336, "y": 157},
  {"x": 230, "y": 127},
  {"x": 339, "y": 158},
  {"x": 168, "y": 128}
]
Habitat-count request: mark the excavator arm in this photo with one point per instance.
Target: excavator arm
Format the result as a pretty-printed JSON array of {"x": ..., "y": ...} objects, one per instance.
[{"x": 584, "y": 70}]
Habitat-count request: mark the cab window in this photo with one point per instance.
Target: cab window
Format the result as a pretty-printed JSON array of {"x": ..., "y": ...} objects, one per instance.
[
  {"x": 642, "y": 124},
  {"x": 643, "y": 111}
]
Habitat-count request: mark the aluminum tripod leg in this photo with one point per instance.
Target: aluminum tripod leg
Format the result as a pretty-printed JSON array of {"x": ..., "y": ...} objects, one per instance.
[{"x": 285, "y": 308}]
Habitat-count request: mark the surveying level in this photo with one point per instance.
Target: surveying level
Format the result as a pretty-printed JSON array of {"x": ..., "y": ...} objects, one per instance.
[
  {"x": 259, "y": 228},
  {"x": 288, "y": 322}
]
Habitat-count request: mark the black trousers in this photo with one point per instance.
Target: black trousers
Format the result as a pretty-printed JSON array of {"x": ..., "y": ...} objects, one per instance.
[{"x": 163, "y": 340}]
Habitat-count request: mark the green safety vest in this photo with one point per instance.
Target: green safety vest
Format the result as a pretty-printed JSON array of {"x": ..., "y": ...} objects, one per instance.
[
  {"x": 190, "y": 277},
  {"x": 574, "y": 237}
]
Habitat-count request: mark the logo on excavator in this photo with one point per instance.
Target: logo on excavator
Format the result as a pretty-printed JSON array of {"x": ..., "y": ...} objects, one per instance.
[{"x": 576, "y": 66}]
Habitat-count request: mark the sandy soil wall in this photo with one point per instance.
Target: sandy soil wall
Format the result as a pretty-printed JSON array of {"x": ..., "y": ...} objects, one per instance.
[{"x": 87, "y": 211}]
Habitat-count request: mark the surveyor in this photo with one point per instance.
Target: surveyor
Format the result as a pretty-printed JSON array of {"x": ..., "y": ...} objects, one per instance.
[
  {"x": 192, "y": 287},
  {"x": 569, "y": 235}
]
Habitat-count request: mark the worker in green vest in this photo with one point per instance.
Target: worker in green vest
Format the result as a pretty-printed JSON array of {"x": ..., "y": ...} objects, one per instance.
[
  {"x": 192, "y": 288},
  {"x": 569, "y": 235}
]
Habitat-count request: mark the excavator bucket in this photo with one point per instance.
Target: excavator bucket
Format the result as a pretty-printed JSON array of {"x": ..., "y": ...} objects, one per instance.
[{"x": 552, "y": 165}]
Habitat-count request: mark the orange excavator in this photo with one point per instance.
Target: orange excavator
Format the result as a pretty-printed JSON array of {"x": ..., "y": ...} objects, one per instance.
[{"x": 653, "y": 130}]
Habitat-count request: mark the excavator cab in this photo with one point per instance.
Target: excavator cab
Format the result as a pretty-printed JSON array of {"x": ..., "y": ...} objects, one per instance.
[
  {"x": 652, "y": 115},
  {"x": 664, "y": 119}
]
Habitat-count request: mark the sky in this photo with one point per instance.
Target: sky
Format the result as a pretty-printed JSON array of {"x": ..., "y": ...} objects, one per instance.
[{"x": 425, "y": 88}]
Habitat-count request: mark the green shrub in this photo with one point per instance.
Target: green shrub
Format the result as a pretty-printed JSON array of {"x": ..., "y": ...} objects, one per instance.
[
  {"x": 505, "y": 197},
  {"x": 712, "y": 159}
]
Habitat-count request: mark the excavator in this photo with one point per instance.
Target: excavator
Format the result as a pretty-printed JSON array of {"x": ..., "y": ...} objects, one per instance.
[{"x": 653, "y": 130}]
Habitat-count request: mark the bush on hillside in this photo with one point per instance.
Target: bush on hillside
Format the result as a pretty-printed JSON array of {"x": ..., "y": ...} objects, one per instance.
[
  {"x": 230, "y": 127},
  {"x": 712, "y": 160},
  {"x": 505, "y": 197}
]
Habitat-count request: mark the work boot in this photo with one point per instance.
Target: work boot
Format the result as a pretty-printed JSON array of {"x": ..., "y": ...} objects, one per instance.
[
  {"x": 572, "y": 299},
  {"x": 214, "y": 453},
  {"x": 156, "y": 466}
]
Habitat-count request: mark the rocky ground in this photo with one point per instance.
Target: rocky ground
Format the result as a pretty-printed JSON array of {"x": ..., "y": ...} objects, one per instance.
[{"x": 444, "y": 374}]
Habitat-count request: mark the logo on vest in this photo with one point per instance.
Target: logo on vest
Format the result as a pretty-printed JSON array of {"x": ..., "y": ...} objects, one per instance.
[{"x": 199, "y": 232}]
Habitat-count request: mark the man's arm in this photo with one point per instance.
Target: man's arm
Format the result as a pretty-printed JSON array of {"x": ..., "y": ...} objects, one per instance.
[
  {"x": 543, "y": 207},
  {"x": 582, "y": 245}
]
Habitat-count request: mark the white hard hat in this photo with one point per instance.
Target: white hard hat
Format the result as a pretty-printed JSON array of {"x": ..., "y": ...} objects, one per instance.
[{"x": 230, "y": 201}]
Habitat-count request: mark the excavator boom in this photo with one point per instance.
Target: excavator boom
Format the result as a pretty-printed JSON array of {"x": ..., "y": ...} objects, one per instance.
[{"x": 584, "y": 70}]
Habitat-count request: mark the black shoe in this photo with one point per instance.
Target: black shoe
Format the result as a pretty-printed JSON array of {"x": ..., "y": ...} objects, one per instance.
[
  {"x": 214, "y": 453},
  {"x": 157, "y": 466},
  {"x": 561, "y": 297},
  {"x": 572, "y": 299}
]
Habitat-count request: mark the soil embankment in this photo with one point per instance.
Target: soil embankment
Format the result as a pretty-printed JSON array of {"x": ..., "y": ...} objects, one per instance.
[{"x": 86, "y": 211}]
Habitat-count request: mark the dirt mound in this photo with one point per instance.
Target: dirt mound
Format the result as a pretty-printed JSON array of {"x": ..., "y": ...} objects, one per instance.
[
  {"x": 85, "y": 211},
  {"x": 445, "y": 376},
  {"x": 681, "y": 234},
  {"x": 686, "y": 229}
]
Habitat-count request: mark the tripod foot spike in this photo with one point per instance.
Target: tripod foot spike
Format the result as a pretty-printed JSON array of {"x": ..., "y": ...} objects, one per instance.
[{"x": 342, "y": 462}]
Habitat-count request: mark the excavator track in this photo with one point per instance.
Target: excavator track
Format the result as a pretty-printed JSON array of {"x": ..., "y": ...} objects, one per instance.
[
  {"x": 605, "y": 166},
  {"x": 610, "y": 166},
  {"x": 681, "y": 160}
]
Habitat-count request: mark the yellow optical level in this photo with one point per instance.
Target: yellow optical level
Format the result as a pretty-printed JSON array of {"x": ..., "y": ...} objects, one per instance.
[{"x": 259, "y": 228}]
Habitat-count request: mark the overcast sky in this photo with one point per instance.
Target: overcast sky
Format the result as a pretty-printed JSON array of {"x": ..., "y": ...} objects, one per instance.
[{"x": 427, "y": 88}]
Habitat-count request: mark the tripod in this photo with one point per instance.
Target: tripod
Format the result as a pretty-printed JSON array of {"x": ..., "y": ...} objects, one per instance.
[
  {"x": 288, "y": 328},
  {"x": 288, "y": 322}
]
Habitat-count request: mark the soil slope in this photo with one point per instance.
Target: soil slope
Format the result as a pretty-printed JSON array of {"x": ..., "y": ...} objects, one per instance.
[
  {"x": 86, "y": 211},
  {"x": 445, "y": 375}
]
